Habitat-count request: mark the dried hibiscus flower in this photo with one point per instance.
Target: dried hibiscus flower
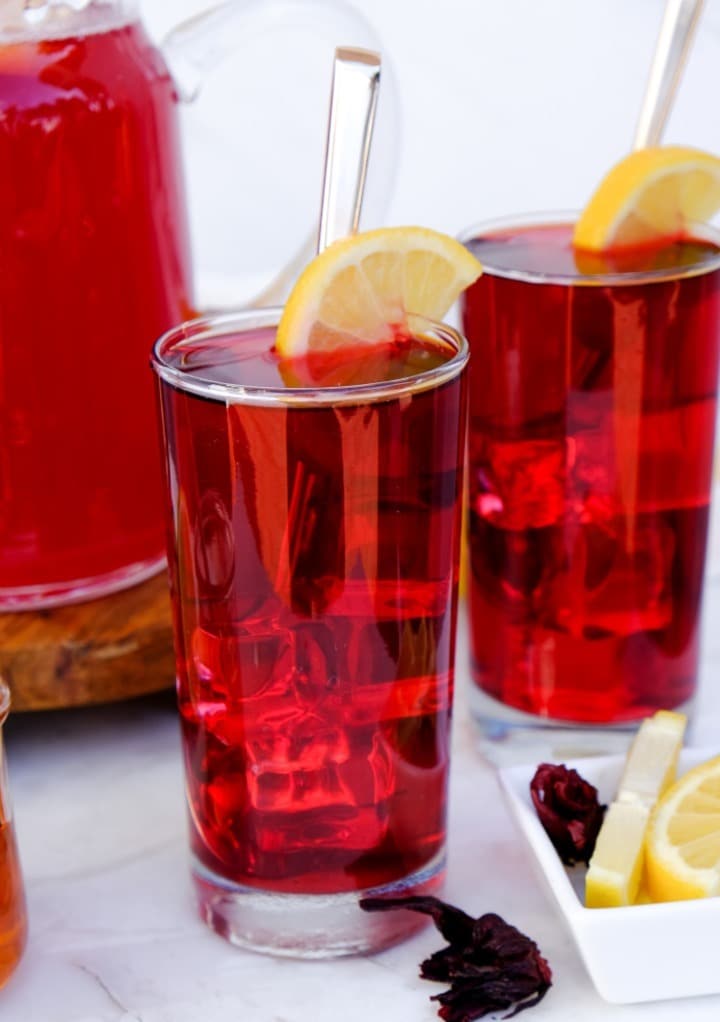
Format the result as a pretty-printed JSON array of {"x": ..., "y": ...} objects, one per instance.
[
  {"x": 568, "y": 809},
  {"x": 489, "y": 965}
]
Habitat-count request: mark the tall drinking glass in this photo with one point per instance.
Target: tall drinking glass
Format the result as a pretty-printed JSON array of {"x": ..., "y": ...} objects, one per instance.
[
  {"x": 313, "y": 547},
  {"x": 592, "y": 416}
]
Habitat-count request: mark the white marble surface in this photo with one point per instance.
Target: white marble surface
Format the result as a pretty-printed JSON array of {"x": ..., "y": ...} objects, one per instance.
[{"x": 114, "y": 938}]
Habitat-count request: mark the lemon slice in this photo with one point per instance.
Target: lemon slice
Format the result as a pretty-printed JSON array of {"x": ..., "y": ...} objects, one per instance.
[
  {"x": 682, "y": 847},
  {"x": 651, "y": 762},
  {"x": 362, "y": 288},
  {"x": 616, "y": 868},
  {"x": 615, "y": 871},
  {"x": 652, "y": 194}
]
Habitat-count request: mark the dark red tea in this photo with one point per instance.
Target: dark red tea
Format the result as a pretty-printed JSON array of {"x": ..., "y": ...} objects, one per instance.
[
  {"x": 313, "y": 562},
  {"x": 94, "y": 268},
  {"x": 592, "y": 417}
]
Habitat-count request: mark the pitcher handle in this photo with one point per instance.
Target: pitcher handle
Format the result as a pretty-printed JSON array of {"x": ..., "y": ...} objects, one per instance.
[{"x": 197, "y": 45}]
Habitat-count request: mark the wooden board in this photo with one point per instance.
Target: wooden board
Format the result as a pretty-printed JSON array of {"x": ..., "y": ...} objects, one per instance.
[{"x": 101, "y": 651}]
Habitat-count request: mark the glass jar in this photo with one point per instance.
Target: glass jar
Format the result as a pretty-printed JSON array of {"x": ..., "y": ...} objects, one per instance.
[{"x": 13, "y": 917}]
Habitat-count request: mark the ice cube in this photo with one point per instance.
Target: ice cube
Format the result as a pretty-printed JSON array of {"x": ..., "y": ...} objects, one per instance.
[
  {"x": 611, "y": 583},
  {"x": 231, "y": 663},
  {"x": 289, "y": 734},
  {"x": 521, "y": 484}
]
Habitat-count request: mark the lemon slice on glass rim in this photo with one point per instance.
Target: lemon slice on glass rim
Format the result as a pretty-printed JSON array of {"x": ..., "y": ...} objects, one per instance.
[
  {"x": 650, "y": 195},
  {"x": 361, "y": 289}
]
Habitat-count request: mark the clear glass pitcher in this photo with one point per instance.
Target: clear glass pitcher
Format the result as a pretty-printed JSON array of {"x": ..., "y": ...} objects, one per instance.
[{"x": 94, "y": 265}]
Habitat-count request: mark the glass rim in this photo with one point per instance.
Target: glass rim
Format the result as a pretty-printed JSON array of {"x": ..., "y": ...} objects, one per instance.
[
  {"x": 701, "y": 232},
  {"x": 293, "y": 397},
  {"x": 118, "y": 14}
]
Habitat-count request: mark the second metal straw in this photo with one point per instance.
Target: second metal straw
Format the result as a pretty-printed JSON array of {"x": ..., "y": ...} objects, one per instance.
[{"x": 676, "y": 34}]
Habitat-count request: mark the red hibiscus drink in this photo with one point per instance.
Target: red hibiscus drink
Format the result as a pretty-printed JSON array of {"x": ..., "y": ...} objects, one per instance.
[
  {"x": 95, "y": 266},
  {"x": 592, "y": 416},
  {"x": 313, "y": 541}
]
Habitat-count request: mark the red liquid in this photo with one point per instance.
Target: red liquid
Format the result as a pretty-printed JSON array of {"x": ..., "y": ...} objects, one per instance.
[
  {"x": 94, "y": 268},
  {"x": 592, "y": 416},
  {"x": 313, "y": 558}
]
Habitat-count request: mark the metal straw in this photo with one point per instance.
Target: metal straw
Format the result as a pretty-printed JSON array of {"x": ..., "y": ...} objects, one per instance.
[
  {"x": 671, "y": 52},
  {"x": 353, "y": 101}
]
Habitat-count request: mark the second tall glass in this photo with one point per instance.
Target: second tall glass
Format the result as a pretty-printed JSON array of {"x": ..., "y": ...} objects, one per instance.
[{"x": 592, "y": 418}]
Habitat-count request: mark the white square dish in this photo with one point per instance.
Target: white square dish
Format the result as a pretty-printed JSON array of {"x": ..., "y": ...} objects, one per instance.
[{"x": 638, "y": 953}]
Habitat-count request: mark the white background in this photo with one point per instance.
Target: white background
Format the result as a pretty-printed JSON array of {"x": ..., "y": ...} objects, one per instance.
[{"x": 502, "y": 106}]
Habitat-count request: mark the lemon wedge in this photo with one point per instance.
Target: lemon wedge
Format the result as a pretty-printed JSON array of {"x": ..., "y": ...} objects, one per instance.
[
  {"x": 362, "y": 288},
  {"x": 682, "y": 847},
  {"x": 651, "y": 194},
  {"x": 616, "y": 868},
  {"x": 651, "y": 763}
]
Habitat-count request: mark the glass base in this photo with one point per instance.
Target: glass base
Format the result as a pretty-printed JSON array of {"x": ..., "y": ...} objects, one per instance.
[
  {"x": 58, "y": 594},
  {"x": 507, "y": 736},
  {"x": 311, "y": 925}
]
